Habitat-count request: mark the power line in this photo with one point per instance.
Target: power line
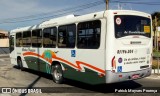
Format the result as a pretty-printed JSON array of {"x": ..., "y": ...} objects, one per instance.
[
  {"x": 144, "y": 3},
  {"x": 137, "y": 1},
  {"x": 67, "y": 10},
  {"x": 51, "y": 14}
]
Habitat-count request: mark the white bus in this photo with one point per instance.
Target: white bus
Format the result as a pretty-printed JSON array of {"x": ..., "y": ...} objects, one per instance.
[{"x": 101, "y": 47}]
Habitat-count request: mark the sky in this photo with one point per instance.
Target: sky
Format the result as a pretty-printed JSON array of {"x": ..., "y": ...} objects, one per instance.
[{"x": 41, "y": 10}]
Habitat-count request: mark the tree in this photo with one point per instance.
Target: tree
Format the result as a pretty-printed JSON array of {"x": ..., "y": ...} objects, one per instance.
[
  {"x": 157, "y": 14},
  {"x": 155, "y": 24}
]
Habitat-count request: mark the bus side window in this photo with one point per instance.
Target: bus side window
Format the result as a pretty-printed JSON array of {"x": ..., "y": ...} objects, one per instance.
[
  {"x": 81, "y": 42},
  {"x": 19, "y": 39},
  {"x": 27, "y": 39},
  {"x": 89, "y": 34},
  {"x": 49, "y": 37},
  {"x": 37, "y": 38},
  {"x": 62, "y": 36},
  {"x": 66, "y": 36},
  {"x": 11, "y": 42}
]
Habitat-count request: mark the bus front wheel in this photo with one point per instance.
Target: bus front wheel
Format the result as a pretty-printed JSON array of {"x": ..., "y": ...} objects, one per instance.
[{"x": 57, "y": 74}]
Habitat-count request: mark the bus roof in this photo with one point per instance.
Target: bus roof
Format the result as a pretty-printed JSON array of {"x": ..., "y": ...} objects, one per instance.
[{"x": 69, "y": 19}]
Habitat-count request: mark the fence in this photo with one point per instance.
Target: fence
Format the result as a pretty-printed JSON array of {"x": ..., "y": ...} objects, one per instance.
[
  {"x": 4, "y": 50},
  {"x": 156, "y": 65}
]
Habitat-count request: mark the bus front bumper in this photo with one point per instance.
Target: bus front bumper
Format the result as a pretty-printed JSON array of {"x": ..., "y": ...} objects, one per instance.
[{"x": 112, "y": 77}]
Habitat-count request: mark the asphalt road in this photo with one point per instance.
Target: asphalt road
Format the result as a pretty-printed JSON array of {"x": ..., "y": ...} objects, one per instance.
[{"x": 10, "y": 76}]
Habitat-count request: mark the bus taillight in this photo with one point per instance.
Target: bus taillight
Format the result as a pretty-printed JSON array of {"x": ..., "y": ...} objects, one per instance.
[
  {"x": 151, "y": 59},
  {"x": 113, "y": 64}
]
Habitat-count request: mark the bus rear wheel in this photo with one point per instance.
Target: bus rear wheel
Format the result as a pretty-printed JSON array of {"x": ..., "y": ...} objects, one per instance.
[
  {"x": 20, "y": 65},
  {"x": 57, "y": 74}
]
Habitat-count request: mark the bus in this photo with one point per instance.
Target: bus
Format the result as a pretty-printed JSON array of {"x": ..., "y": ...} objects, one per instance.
[{"x": 97, "y": 48}]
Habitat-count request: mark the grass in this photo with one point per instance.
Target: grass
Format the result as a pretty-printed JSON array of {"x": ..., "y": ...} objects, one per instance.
[
  {"x": 156, "y": 54},
  {"x": 155, "y": 61}
]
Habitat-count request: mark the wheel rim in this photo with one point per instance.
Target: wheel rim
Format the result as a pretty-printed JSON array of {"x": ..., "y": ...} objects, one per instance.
[{"x": 57, "y": 74}]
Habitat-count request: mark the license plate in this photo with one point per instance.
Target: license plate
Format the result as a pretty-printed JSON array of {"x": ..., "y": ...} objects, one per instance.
[{"x": 135, "y": 76}]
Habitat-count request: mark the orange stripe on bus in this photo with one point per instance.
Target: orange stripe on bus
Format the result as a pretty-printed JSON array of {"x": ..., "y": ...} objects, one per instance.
[
  {"x": 67, "y": 62},
  {"x": 63, "y": 60},
  {"x": 34, "y": 54},
  {"x": 93, "y": 67},
  {"x": 31, "y": 53}
]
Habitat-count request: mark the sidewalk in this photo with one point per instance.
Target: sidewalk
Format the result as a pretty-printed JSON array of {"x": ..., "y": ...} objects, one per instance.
[{"x": 154, "y": 76}]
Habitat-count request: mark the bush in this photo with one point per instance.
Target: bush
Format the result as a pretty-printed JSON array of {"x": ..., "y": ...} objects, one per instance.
[
  {"x": 155, "y": 50},
  {"x": 155, "y": 64}
]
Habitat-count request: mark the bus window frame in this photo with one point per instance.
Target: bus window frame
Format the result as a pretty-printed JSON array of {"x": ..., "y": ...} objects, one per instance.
[
  {"x": 100, "y": 27},
  {"x": 37, "y": 38},
  {"x": 54, "y": 27},
  {"x": 19, "y": 45},
  {"x": 67, "y": 32}
]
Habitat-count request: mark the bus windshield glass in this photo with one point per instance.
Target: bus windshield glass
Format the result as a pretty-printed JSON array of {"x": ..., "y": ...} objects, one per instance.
[{"x": 126, "y": 25}]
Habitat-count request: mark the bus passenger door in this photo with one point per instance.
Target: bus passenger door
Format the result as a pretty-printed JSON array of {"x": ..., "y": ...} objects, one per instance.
[{"x": 12, "y": 49}]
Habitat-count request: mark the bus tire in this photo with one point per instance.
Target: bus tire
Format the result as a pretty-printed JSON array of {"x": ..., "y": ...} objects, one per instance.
[
  {"x": 57, "y": 73},
  {"x": 20, "y": 64}
]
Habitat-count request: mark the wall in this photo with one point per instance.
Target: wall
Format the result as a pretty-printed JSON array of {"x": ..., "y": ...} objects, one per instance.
[
  {"x": 4, "y": 42},
  {"x": 4, "y": 46}
]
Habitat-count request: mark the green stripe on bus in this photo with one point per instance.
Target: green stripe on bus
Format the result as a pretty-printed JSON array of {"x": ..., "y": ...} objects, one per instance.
[{"x": 89, "y": 76}]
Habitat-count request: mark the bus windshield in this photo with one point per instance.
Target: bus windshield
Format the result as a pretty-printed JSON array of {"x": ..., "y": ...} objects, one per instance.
[{"x": 126, "y": 25}]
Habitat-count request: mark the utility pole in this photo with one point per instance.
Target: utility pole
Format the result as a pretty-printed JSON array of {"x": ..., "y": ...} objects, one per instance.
[
  {"x": 107, "y": 4},
  {"x": 157, "y": 34},
  {"x": 119, "y": 7}
]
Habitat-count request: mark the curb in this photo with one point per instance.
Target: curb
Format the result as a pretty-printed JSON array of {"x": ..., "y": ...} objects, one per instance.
[{"x": 155, "y": 71}]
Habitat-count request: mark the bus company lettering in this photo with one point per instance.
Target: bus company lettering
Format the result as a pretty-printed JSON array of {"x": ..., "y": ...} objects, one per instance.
[
  {"x": 124, "y": 51},
  {"x": 133, "y": 32},
  {"x": 28, "y": 49}
]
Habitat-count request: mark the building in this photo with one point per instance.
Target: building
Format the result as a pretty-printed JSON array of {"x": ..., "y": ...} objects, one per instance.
[
  {"x": 4, "y": 42},
  {"x": 3, "y": 34}
]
